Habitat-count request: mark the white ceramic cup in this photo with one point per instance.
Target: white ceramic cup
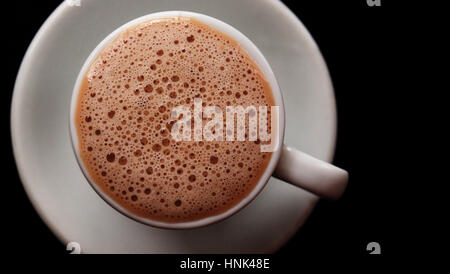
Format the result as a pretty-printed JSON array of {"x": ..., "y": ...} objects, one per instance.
[{"x": 286, "y": 163}]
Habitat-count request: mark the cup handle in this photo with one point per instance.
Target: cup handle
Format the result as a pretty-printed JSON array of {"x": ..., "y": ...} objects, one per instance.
[{"x": 311, "y": 174}]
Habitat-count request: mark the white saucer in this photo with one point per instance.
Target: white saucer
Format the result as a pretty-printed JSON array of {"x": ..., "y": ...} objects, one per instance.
[{"x": 54, "y": 182}]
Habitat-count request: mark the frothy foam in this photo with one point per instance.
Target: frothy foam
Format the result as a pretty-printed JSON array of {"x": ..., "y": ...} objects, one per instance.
[{"x": 123, "y": 120}]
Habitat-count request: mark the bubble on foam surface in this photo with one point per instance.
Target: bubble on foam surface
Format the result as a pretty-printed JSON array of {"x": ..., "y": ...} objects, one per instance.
[{"x": 123, "y": 120}]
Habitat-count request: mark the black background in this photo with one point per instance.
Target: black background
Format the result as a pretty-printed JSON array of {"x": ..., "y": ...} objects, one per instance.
[{"x": 358, "y": 43}]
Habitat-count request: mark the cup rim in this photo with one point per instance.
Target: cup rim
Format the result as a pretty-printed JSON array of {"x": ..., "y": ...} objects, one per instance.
[{"x": 255, "y": 55}]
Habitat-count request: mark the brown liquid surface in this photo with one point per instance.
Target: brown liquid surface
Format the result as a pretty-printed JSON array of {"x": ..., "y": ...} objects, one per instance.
[{"x": 123, "y": 120}]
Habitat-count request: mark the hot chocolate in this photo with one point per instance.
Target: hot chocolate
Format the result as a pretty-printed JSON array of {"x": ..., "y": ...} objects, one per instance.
[{"x": 124, "y": 123}]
